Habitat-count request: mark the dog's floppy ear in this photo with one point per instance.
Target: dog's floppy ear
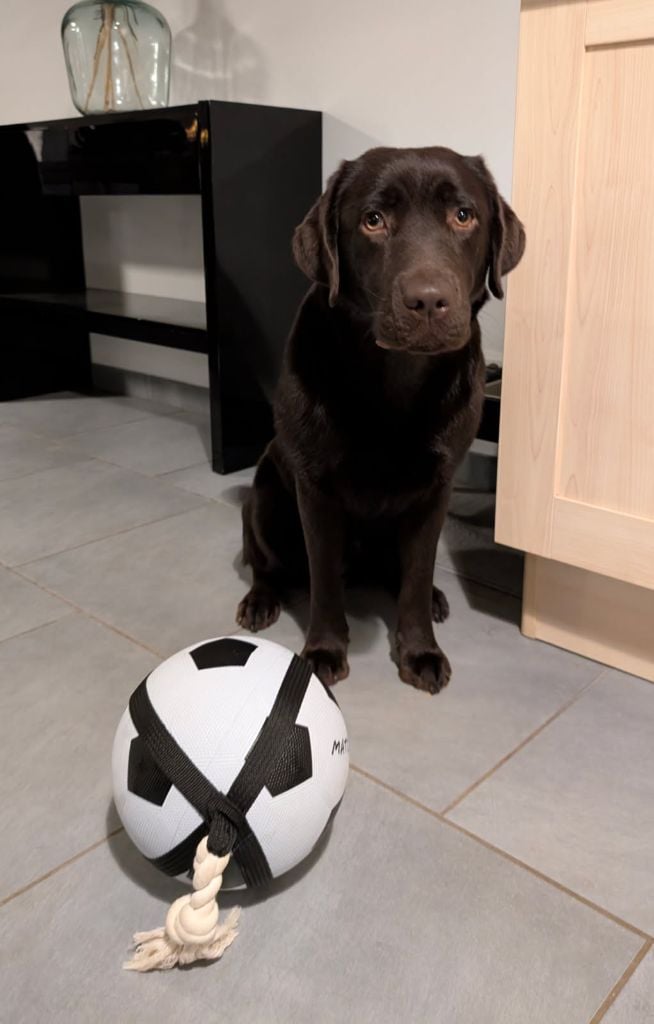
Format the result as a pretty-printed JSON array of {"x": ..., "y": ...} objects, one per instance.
[
  {"x": 507, "y": 245},
  {"x": 507, "y": 233},
  {"x": 315, "y": 240}
]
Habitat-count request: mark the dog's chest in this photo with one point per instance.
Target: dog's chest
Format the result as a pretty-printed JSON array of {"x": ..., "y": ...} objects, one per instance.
[
  {"x": 377, "y": 428},
  {"x": 388, "y": 438},
  {"x": 395, "y": 405}
]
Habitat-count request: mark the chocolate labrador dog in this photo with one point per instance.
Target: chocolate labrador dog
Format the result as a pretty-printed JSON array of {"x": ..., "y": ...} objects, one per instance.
[{"x": 380, "y": 396}]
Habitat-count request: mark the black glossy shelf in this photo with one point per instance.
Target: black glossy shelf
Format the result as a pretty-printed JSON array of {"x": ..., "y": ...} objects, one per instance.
[
  {"x": 175, "y": 323},
  {"x": 145, "y": 152},
  {"x": 152, "y": 152},
  {"x": 257, "y": 170}
]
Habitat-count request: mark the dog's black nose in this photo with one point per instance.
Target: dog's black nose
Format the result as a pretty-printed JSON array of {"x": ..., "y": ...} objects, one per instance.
[{"x": 426, "y": 297}]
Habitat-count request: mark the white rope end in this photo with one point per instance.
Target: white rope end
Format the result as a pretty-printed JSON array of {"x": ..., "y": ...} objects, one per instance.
[{"x": 192, "y": 930}]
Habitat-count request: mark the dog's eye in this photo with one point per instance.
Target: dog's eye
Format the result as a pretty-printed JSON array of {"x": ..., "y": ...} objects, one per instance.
[
  {"x": 464, "y": 216},
  {"x": 373, "y": 221}
]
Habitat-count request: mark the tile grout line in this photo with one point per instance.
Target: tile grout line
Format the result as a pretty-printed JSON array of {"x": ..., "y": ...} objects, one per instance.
[
  {"x": 204, "y": 503},
  {"x": 602, "y": 911},
  {"x": 82, "y": 611},
  {"x": 88, "y": 456},
  {"x": 622, "y": 982},
  {"x": 30, "y": 629},
  {"x": 180, "y": 469},
  {"x": 85, "y": 430},
  {"x": 59, "y": 867},
  {"x": 525, "y": 742},
  {"x": 504, "y": 854},
  {"x": 43, "y": 469},
  {"x": 32, "y": 434},
  {"x": 169, "y": 413}
]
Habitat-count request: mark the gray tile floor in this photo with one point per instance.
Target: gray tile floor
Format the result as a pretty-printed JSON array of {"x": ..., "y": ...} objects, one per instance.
[{"x": 492, "y": 862}]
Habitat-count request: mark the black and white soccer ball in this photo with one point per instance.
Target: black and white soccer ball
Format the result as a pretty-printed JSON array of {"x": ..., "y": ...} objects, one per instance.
[{"x": 235, "y": 735}]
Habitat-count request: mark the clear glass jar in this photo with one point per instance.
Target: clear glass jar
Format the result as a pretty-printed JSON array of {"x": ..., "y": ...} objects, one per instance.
[{"x": 117, "y": 56}]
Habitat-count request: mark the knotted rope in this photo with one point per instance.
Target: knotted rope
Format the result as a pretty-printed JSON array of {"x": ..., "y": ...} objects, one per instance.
[{"x": 193, "y": 930}]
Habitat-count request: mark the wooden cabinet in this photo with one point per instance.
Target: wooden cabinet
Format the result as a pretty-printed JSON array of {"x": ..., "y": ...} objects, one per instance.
[{"x": 576, "y": 464}]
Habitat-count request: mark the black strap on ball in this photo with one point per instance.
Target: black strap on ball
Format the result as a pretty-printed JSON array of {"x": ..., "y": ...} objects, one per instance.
[{"x": 225, "y": 814}]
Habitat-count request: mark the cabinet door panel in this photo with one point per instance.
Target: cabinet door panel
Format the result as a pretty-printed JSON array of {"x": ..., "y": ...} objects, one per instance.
[
  {"x": 576, "y": 467},
  {"x": 606, "y": 440}
]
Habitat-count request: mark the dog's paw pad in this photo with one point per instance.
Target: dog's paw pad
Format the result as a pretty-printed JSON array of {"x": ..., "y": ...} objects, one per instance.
[
  {"x": 259, "y": 609},
  {"x": 428, "y": 670},
  {"x": 329, "y": 664},
  {"x": 440, "y": 608}
]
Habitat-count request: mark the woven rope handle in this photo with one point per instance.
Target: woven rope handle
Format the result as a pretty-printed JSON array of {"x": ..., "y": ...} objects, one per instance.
[{"x": 193, "y": 930}]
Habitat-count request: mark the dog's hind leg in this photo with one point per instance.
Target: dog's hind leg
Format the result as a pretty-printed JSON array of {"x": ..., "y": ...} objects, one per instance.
[
  {"x": 440, "y": 606},
  {"x": 261, "y": 605},
  {"x": 272, "y": 544}
]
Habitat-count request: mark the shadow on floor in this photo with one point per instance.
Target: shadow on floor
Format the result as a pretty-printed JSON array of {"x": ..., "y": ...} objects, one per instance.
[
  {"x": 138, "y": 869},
  {"x": 468, "y": 547},
  {"x": 490, "y": 574},
  {"x": 237, "y": 494}
]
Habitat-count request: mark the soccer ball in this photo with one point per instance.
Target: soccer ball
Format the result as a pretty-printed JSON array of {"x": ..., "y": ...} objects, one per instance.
[{"x": 235, "y": 737}]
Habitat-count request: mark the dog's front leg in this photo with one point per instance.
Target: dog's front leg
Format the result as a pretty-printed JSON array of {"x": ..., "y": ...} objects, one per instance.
[
  {"x": 420, "y": 659},
  {"x": 327, "y": 638}
]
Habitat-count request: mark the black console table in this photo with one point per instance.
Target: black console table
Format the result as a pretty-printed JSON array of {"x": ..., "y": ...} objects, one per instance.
[{"x": 257, "y": 170}]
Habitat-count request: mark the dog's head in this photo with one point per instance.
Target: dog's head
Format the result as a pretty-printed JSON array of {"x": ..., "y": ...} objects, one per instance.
[{"x": 408, "y": 238}]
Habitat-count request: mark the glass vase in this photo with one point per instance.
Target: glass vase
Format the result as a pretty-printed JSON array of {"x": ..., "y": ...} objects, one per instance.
[{"x": 117, "y": 56}]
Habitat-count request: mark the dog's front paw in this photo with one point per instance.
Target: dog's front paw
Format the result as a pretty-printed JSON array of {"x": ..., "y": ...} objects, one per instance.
[
  {"x": 259, "y": 609},
  {"x": 426, "y": 670},
  {"x": 328, "y": 663}
]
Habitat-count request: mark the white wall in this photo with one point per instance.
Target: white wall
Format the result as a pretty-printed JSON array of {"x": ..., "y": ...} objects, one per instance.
[{"x": 417, "y": 72}]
